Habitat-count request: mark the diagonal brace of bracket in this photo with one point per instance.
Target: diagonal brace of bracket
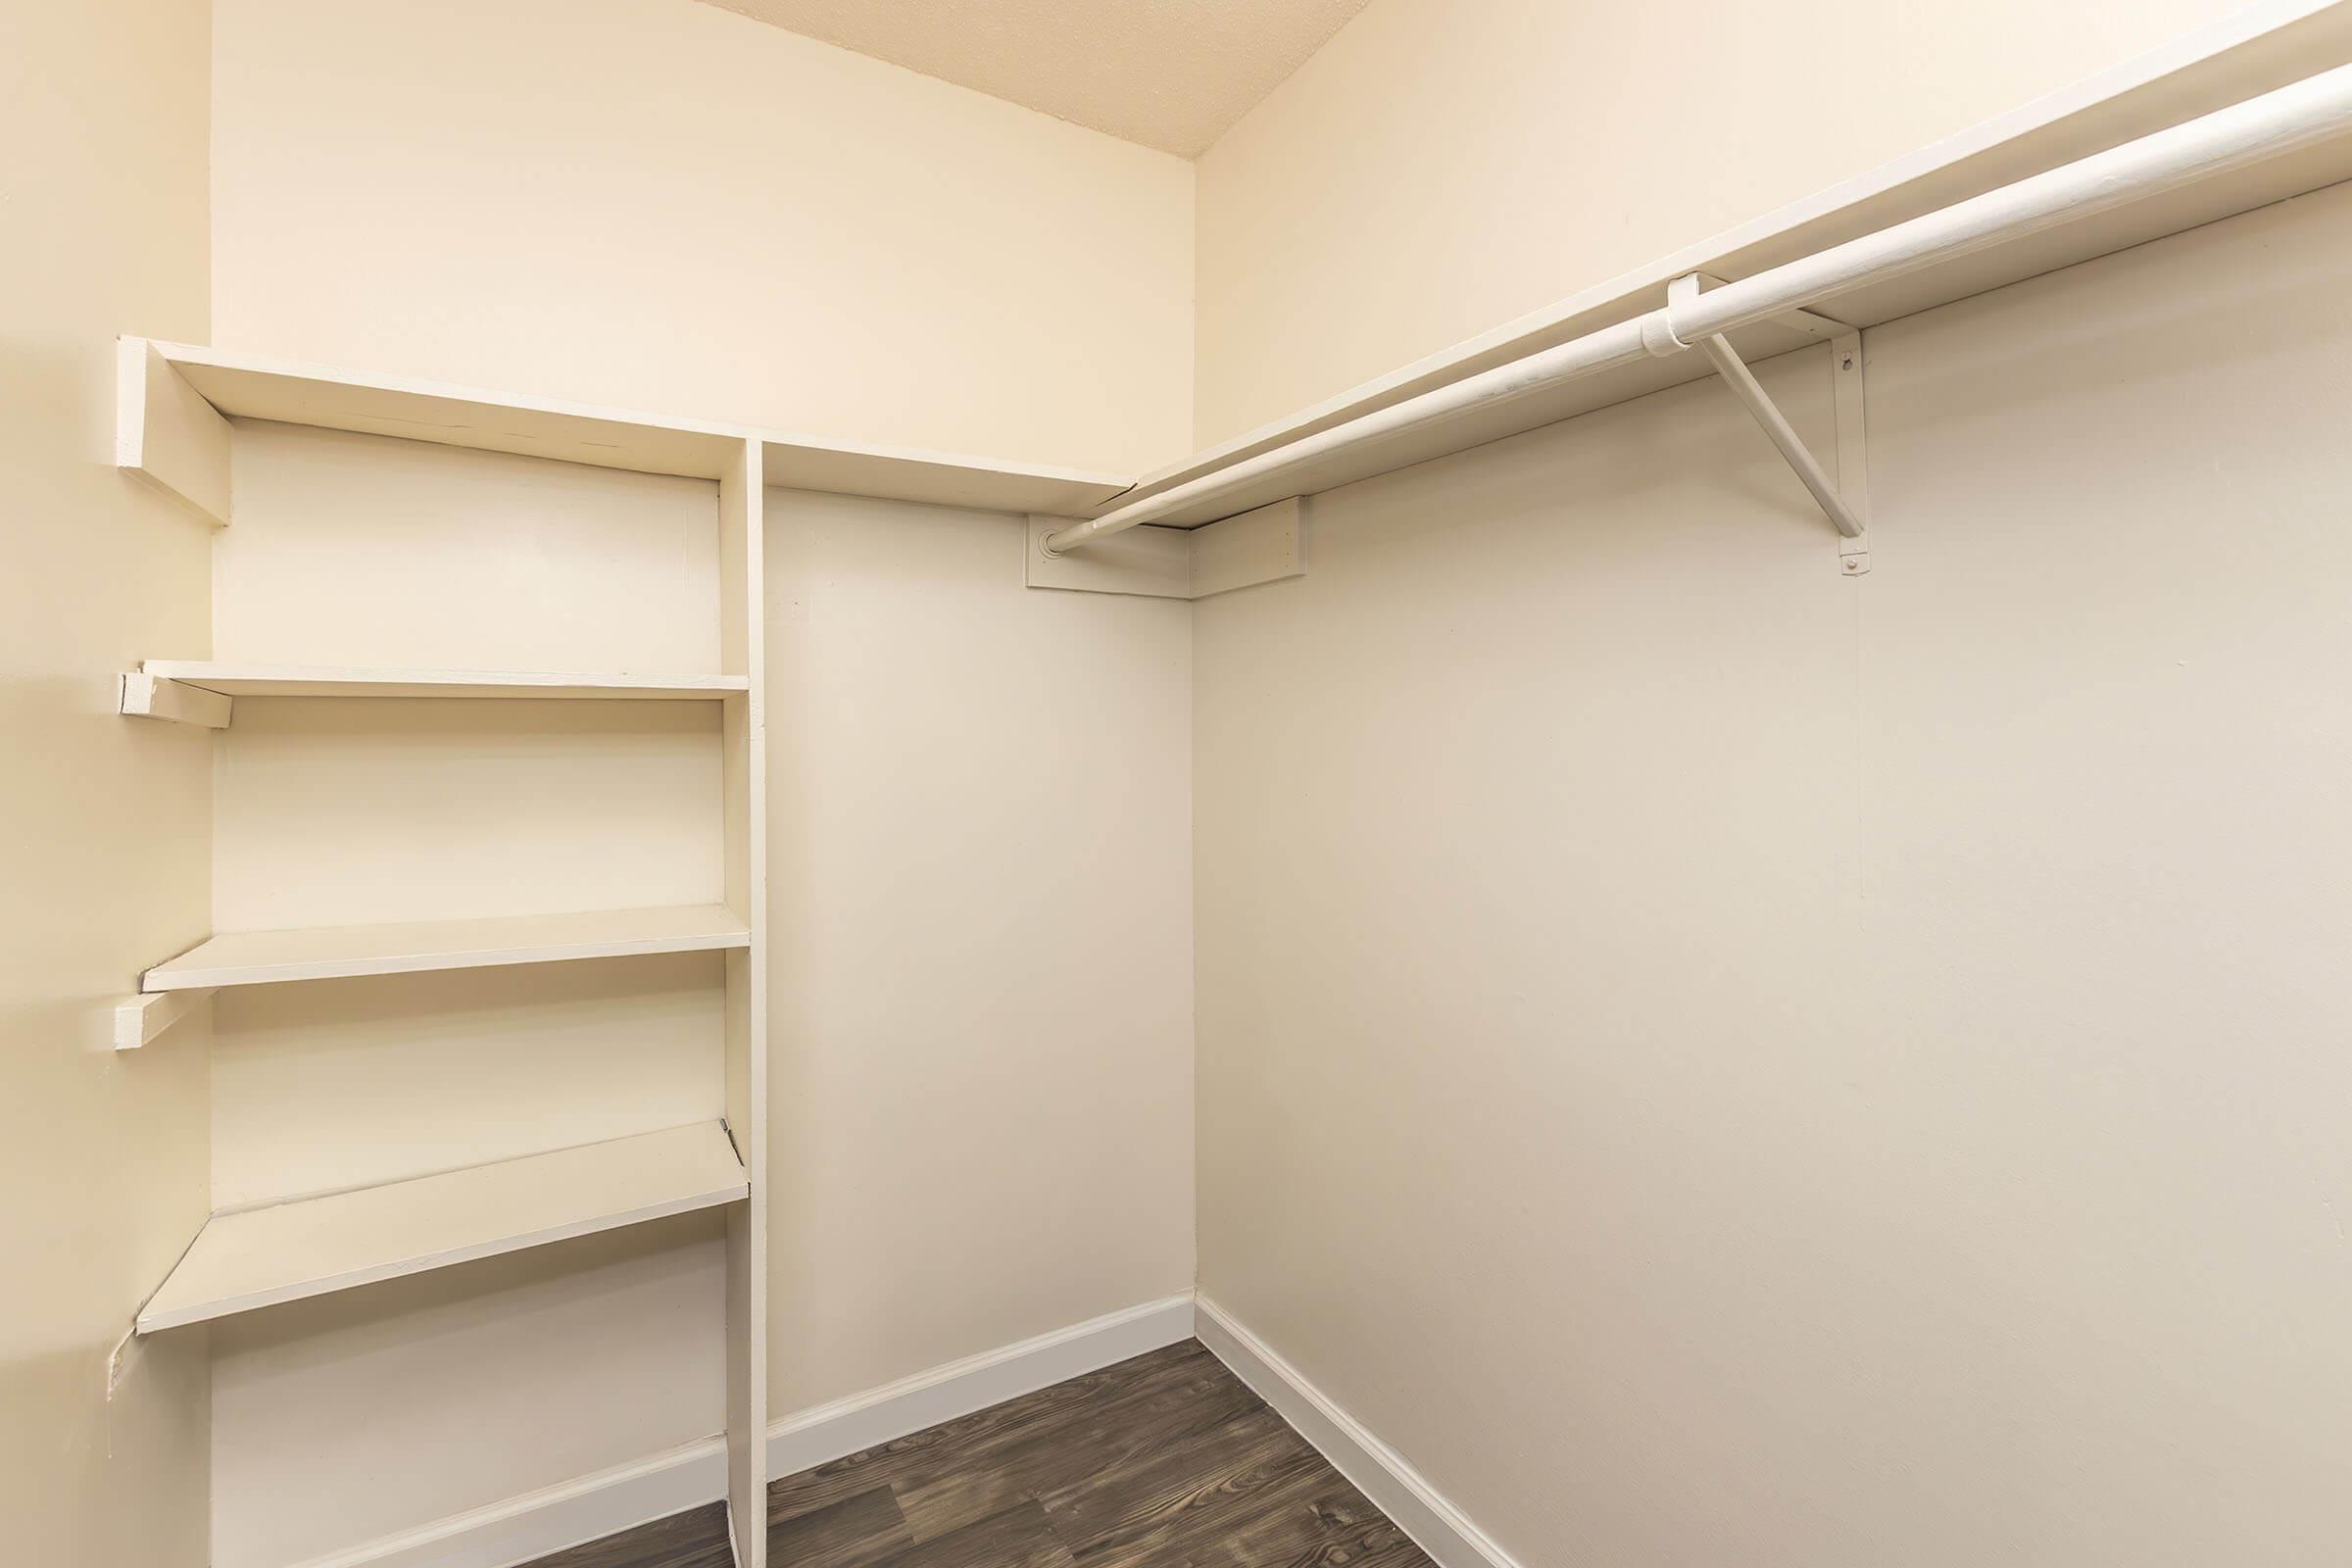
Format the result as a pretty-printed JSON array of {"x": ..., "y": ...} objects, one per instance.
[
  {"x": 1743, "y": 382},
  {"x": 1842, "y": 513}
]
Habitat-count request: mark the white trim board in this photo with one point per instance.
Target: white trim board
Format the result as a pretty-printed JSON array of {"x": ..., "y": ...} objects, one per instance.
[
  {"x": 879, "y": 1415},
  {"x": 587, "y": 1507},
  {"x": 174, "y": 401},
  {"x": 1378, "y": 1471},
  {"x": 1258, "y": 546}
]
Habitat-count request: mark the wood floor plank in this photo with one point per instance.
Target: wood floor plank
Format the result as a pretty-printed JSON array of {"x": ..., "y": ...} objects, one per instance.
[
  {"x": 1109, "y": 1440},
  {"x": 1312, "y": 1517},
  {"x": 977, "y": 1441},
  {"x": 1164, "y": 1461},
  {"x": 1020, "y": 1536},
  {"x": 695, "y": 1538},
  {"x": 851, "y": 1532},
  {"x": 1179, "y": 1493}
]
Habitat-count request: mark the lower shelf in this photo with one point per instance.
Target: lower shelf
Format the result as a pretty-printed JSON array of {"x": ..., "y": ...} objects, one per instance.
[{"x": 248, "y": 1258}]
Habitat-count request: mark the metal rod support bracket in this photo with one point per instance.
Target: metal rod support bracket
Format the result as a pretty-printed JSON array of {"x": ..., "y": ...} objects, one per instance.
[
  {"x": 1845, "y": 513},
  {"x": 2272, "y": 124}
]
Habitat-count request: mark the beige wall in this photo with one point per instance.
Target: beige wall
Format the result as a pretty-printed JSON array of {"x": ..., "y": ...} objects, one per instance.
[
  {"x": 659, "y": 205},
  {"x": 479, "y": 1383},
  {"x": 1439, "y": 169},
  {"x": 102, "y": 1156},
  {"x": 1718, "y": 1062},
  {"x": 980, "y": 835}
]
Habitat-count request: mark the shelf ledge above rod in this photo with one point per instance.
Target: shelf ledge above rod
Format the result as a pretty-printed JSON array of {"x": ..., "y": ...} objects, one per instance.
[{"x": 2270, "y": 125}]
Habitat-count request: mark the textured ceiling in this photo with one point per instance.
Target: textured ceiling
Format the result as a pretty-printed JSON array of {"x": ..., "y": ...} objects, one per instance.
[{"x": 1169, "y": 74}]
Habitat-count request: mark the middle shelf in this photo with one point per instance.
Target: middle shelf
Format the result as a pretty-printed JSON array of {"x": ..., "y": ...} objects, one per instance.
[
  {"x": 248, "y": 1258},
  {"x": 328, "y": 953}
]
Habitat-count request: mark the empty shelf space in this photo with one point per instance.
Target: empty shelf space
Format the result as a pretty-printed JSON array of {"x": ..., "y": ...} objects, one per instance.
[
  {"x": 248, "y": 1258},
  {"x": 297, "y": 680},
  {"x": 327, "y": 952}
]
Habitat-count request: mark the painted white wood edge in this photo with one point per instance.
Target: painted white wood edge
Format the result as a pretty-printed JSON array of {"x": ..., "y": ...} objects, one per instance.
[
  {"x": 208, "y": 357},
  {"x": 167, "y": 434},
  {"x": 742, "y": 526},
  {"x": 139, "y": 1019},
  {"x": 162, "y": 1319},
  {"x": 277, "y": 388},
  {"x": 1262, "y": 545},
  {"x": 331, "y": 952},
  {"x": 1378, "y": 1472},
  {"x": 519, "y": 1529},
  {"x": 141, "y": 695},
  {"x": 314, "y": 680},
  {"x": 290, "y": 1250}
]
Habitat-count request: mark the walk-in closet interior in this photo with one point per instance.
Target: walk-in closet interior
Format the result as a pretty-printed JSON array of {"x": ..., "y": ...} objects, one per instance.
[{"x": 1025, "y": 784}]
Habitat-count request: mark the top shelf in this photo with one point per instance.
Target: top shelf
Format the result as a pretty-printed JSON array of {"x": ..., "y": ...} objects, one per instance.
[{"x": 160, "y": 380}]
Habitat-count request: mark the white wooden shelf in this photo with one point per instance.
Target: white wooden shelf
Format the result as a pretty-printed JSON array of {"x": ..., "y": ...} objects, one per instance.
[
  {"x": 2250, "y": 53},
  {"x": 327, "y": 952},
  {"x": 248, "y": 1258},
  {"x": 175, "y": 398},
  {"x": 939, "y": 479},
  {"x": 295, "y": 680}
]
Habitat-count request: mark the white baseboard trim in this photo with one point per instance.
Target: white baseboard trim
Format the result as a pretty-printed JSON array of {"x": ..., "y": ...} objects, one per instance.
[
  {"x": 583, "y": 1508},
  {"x": 829, "y": 1431},
  {"x": 586, "y": 1507},
  {"x": 1378, "y": 1472}
]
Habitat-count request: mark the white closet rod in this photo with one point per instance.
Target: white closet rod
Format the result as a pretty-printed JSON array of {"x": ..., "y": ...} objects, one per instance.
[{"x": 2309, "y": 111}]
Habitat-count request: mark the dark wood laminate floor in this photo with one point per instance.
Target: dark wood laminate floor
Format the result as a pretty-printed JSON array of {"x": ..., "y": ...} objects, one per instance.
[{"x": 1165, "y": 1461}]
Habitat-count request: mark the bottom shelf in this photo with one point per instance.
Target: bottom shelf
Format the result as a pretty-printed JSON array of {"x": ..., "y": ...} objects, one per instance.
[{"x": 248, "y": 1258}]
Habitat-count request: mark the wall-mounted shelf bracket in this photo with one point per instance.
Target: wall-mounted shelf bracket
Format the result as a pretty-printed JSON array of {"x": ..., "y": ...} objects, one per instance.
[
  {"x": 167, "y": 434},
  {"x": 144, "y": 696},
  {"x": 139, "y": 1019},
  {"x": 1843, "y": 500}
]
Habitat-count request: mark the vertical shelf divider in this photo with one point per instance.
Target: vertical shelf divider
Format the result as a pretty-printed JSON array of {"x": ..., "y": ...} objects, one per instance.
[{"x": 743, "y": 652}]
